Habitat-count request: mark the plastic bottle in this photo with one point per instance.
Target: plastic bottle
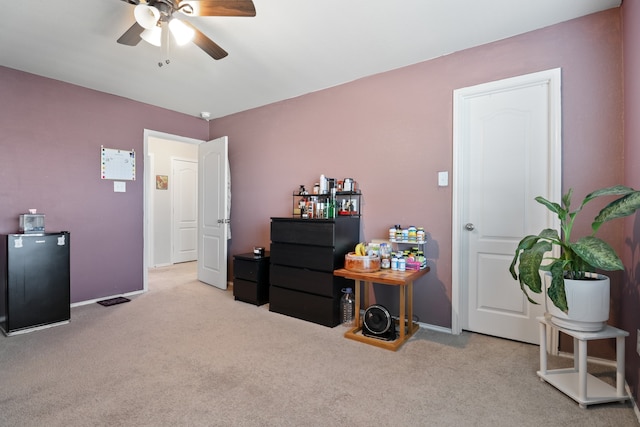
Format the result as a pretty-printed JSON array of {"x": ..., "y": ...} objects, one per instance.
[
  {"x": 346, "y": 307},
  {"x": 402, "y": 263},
  {"x": 385, "y": 256},
  {"x": 392, "y": 234}
]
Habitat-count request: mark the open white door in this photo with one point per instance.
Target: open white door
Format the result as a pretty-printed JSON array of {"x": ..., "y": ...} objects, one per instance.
[
  {"x": 507, "y": 152},
  {"x": 213, "y": 188}
]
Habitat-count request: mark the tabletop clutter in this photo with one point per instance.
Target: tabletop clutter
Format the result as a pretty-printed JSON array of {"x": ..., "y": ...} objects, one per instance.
[{"x": 373, "y": 256}]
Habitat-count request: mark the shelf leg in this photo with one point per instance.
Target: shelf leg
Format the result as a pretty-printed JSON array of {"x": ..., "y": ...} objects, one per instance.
[
  {"x": 402, "y": 320},
  {"x": 356, "y": 308},
  {"x": 620, "y": 366},
  {"x": 410, "y": 307},
  {"x": 576, "y": 355},
  {"x": 543, "y": 348},
  {"x": 582, "y": 369}
]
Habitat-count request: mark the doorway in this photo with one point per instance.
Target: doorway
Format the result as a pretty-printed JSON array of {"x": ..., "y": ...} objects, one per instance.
[
  {"x": 507, "y": 151},
  {"x": 161, "y": 149}
]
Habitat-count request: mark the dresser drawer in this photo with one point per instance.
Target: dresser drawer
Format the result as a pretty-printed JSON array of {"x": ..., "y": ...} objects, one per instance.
[
  {"x": 314, "y": 282},
  {"x": 251, "y": 292},
  {"x": 311, "y": 257},
  {"x": 313, "y": 308},
  {"x": 307, "y": 232},
  {"x": 256, "y": 271}
]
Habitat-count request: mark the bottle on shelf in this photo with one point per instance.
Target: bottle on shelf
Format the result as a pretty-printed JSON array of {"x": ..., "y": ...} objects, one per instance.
[
  {"x": 394, "y": 262},
  {"x": 346, "y": 307},
  {"x": 402, "y": 263}
]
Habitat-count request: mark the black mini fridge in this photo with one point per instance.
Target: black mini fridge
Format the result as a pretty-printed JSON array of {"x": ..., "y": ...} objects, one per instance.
[{"x": 34, "y": 281}]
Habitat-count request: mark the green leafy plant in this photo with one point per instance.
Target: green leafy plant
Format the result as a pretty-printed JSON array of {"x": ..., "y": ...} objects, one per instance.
[{"x": 577, "y": 258}]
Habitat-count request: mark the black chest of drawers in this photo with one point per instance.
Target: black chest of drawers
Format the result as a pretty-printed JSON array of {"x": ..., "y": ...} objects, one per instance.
[
  {"x": 251, "y": 278},
  {"x": 304, "y": 254}
]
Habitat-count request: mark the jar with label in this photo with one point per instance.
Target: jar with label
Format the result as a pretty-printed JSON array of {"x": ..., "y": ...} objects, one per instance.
[
  {"x": 394, "y": 262},
  {"x": 405, "y": 234},
  {"x": 398, "y": 234},
  {"x": 412, "y": 233},
  {"x": 392, "y": 234},
  {"x": 402, "y": 263},
  {"x": 422, "y": 260},
  {"x": 316, "y": 188},
  {"x": 420, "y": 235}
]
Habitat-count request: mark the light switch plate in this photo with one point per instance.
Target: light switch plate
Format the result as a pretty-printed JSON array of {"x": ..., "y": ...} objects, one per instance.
[
  {"x": 443, "y": 179},
  {"x": 119, "y": 187}
]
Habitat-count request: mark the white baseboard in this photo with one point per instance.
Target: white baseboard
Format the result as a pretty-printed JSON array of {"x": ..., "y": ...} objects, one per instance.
[{"x": 435, "y": 328}]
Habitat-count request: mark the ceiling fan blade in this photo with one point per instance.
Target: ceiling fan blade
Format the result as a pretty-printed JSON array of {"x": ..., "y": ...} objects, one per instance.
[
  {"x": 206, "y": 44},
  {"x": 131, "y": 37},
  {"x": 223, "y": 7}
]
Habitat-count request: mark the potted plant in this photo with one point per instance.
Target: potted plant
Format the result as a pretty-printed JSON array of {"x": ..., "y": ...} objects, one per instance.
[{"x": 571, "y": 269}]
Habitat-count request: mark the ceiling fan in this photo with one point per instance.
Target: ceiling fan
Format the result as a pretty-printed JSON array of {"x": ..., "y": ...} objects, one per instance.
[{"x": 155, "y": 20}]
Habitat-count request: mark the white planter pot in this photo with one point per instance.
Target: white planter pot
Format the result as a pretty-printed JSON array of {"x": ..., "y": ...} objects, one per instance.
[{"x": 588, "y": 302}]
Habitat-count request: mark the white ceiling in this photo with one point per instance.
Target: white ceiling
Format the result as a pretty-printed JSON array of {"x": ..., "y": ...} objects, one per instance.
[{"x": 290, "y": 48}]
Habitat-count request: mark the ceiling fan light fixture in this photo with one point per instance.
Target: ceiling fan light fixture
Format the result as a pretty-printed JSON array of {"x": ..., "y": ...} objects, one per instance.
[
  {"x": 147, "y": 16},
  {"x": 181, "y": 32},
  {"x": 152, "y": 36}
]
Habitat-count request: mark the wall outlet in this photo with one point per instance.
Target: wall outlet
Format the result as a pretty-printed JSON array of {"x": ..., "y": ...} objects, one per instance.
[{"x": 638, "y": 341}]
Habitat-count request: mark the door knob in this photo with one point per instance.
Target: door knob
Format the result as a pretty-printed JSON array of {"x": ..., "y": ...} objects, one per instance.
[{"x": 469, "y": 226}]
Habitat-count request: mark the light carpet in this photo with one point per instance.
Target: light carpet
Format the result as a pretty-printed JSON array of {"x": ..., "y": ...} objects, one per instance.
[{"x": 187, "y": 354}]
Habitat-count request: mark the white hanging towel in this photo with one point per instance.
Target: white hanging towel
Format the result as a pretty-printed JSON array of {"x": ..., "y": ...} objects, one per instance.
[{"x": 228, "y": 200}]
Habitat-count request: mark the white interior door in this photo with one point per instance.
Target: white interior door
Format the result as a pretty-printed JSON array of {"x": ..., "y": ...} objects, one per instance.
[
  {"x": 507, "y": 152},
  {"x": 185, "y": 210},
  {"x": 213, "y": 219}
]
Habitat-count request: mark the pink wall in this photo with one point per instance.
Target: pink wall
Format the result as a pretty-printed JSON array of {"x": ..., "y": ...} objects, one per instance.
[
  {"x": 630, "y": 299},
  {"x": 50, "y": 138},
  {"x": 392, "y": 132}
]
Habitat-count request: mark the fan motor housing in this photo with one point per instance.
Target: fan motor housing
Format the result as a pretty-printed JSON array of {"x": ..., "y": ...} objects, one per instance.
[{"x": 378, "y": 323}]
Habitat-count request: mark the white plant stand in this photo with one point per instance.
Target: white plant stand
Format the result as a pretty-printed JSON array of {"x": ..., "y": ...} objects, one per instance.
[{"x": 575, "y": 382}]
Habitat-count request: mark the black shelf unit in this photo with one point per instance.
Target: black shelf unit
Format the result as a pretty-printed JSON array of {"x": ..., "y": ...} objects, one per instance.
[{"x": 304, "y": 254}]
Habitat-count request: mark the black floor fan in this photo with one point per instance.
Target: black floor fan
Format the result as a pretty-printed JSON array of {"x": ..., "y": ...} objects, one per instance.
[{"x": 378, "y": 323}]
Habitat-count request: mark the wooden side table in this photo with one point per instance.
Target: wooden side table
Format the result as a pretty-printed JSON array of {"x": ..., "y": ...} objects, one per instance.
[
  {"x": 576, "y": 382},
  {"x": 404, "y": 282}
]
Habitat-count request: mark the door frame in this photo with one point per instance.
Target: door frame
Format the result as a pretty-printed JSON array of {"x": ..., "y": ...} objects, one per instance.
[
  {"x": 552, "y": 77},
  {"x": 148, "y": 195}
]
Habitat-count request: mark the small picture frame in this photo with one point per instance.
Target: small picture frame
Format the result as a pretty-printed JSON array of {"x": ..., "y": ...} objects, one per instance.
[{"x": 162, "y": 182}]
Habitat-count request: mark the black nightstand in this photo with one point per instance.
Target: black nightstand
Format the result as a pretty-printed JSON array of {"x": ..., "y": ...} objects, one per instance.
[{"x": 251, "y": 278}]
